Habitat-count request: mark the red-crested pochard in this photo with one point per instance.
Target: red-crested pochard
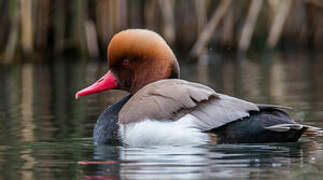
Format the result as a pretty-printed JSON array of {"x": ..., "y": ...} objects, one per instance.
[{"x": 165, "y": 110}]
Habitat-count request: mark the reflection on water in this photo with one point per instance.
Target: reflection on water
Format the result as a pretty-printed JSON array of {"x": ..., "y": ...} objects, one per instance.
[
  {"x": 45, "y": 133},
  {"x": 243, "y": 161}
]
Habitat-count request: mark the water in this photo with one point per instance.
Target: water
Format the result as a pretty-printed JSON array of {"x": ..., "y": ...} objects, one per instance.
[{"x": 46, "y": 134}]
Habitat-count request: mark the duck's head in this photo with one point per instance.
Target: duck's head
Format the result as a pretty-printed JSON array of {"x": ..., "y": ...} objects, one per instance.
[{"x": 136, "y": 57}]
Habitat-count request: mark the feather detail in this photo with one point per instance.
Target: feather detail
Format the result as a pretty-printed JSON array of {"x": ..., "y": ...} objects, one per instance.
[
  {"x": 173, "y": 99},
  {"x": 284, "y": 127}
]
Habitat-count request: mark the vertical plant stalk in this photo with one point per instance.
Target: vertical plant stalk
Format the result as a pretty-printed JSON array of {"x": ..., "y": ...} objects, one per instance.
[
  {"x": 314, "y": 16},
  {"x": 91, "y": 39},
  {"x": 201, "y": 13},
  {"x": 150, "y": 15},
  {"x": 228, "y": 29},
  {"x": 135, "y": 15},
  {"x": 111, "y": 17},
  {"x": 42, "y": 24},
  {"x": 26, "y": 26},
  {"x": 249, "y": 25},
  {"x": 278, "y": 23},
  {"x": 59, "y": 26},
  {"x": 103, "y": 23},
  {"x": 78, "y": 37},
  {"x": 13, "y": 36},
  {"x": 167, "y": 11},
  {"x": 199, "y": 46},
  {"x": 122, "y": 6}
]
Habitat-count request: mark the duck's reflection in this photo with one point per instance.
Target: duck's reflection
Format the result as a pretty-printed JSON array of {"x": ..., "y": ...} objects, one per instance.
[{"x": 196, "y": 162}]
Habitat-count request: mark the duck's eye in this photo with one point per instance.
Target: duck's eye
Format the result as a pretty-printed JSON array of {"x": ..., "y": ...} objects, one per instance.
[{"x": 125, "y": 62}]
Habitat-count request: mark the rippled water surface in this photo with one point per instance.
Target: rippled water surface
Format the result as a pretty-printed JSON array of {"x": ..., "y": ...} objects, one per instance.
[{"x": 46, "y": 134}]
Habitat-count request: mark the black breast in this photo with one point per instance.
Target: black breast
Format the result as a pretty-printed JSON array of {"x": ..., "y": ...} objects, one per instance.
[{"x": 106, "y": 127}]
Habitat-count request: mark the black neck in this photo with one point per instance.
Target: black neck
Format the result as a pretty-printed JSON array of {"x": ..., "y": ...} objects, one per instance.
[{"x": 106, "y": 127}]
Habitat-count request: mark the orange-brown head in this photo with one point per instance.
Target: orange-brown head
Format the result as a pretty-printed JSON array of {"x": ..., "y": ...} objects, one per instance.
[{"x": 136, "y": 57}]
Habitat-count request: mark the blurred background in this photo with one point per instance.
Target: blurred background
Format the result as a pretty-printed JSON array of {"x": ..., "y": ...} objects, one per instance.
[
  {"x": 264, "y": 51},
  {"x": 83, "y": 28}
]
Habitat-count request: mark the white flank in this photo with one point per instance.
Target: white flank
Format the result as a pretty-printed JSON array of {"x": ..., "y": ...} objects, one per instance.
[{"x": 152, "y": 133}]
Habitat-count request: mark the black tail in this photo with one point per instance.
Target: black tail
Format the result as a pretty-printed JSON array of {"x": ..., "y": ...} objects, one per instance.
[{"x": 267, "y": 125}]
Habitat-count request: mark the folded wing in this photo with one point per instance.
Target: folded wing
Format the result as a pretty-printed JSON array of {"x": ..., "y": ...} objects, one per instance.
[{"x": 172, "y": 99}]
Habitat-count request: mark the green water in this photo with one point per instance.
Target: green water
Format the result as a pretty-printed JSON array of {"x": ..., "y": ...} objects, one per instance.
[{"x": 46, "y": 134}]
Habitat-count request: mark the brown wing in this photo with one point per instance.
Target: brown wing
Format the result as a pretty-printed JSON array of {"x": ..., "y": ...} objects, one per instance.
[{"x": 172, "y": 99}]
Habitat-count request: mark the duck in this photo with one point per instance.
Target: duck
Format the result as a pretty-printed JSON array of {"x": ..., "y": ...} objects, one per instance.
[{"x": 162, "y": 109}]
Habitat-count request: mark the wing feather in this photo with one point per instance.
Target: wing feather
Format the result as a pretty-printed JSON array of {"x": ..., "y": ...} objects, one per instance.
[{"x": 172, "y": 99}]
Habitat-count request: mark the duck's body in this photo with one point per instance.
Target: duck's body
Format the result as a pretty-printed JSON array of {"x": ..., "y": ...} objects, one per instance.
[
  {"x": 161, "y": 110},
  {"x": 229, "y": 120}
]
